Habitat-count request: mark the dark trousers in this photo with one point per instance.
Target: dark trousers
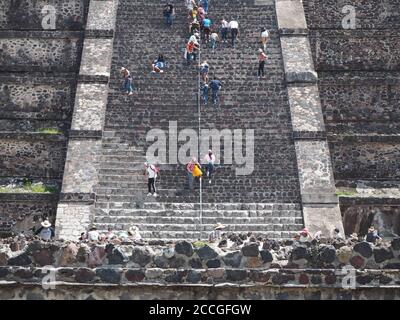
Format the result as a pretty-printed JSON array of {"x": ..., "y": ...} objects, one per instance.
[
  {"x": 224, "y": 34},
  {"x": 210, "y": 170},
  {"x": 207, "y": 32},
  {"x": 261, "y": 66},
  {"x": 190, "y": 180},
  {"x": 151, "y": 184},
  {"x": 234, "y": 34},
  {"x": 215, "y": 97}
]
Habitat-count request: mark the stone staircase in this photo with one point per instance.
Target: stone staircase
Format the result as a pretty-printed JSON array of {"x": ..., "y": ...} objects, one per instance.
[
  {"x": 183, "y": 220},
  {"x": 265, "y": 202}
]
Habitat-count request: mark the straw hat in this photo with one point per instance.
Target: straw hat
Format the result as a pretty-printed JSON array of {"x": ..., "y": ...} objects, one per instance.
[
  {"x": 219, "y": 226},
  {"x": 354, "y": 236},
  {"x": 46, "y": 224},
  {"x": 132, "y": 230}
]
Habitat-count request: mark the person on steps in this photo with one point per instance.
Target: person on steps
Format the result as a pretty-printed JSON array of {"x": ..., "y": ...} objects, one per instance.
[
  {"x": 204, "y": 90},
  {"x": 207, "y": 23},
  {"x": 189, "y": 6},
  {"x": 214, "y": 38},
  {"x": 215, "y": 86},
  {"x": 194, "y": 37},
  {"x": 204, "y": 4},
  {"x": 194, "y": 26},
  {"x": 224, "y": 30},
  {"x": 234, "y": 26},
  {"x": 159, "y": 64},
  {"x": 189, "y": 171},
  {"x": 169, "y": 12},
  {"x": 151, "y": 172},
  {"x": 216, "y": 234},
  {"x": 201, "y": 14},
  {"x": 204, "y": 69},
  {"x": 127, "y": 84},
  {"x": 264, "y": 38},
  {"x": 189, "y": 52},
  {"x": 45, "y": 232},
  {"x": 262, "y": 57},
  {"x": 209, "y": 160}
]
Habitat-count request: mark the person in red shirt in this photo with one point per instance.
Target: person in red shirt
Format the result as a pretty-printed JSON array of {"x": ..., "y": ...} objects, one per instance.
[
  {"x": 190, "y": 48},
  {"x": 262, "y": 57}
]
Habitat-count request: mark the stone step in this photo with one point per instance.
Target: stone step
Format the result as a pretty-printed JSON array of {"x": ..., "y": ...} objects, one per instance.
[
  {"x": 197, "y": 235},
  {"x": 136, "y": 220},
  {"x": 220, "y": 206},
  {"x": 191, "y": 227},
  {"x": 203, "y": 235},
  {"x": 124, "y": 224}
]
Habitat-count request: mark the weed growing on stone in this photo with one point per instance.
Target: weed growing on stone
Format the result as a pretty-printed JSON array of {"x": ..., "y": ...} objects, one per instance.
[
  {"x": 199, "y": 244},
  {"x": 50, "y": 131},
  {"x": 345, "y": 193},
  {"x": 29, "y": 187}
]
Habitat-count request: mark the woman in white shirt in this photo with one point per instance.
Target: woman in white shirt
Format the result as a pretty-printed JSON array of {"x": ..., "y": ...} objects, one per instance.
[
  {"x": 264, "y": 38},
  {"x": 209, "y": 160}
]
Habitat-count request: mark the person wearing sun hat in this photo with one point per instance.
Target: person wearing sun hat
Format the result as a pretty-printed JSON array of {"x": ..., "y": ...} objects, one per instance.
[
  {"x": 134, "y": 234},
  {"x": 217, "y": 232},
  {"x": 93, "y": 234},
  {"x": 305, "y": 235},
  {"x": 46, "y": 232}
]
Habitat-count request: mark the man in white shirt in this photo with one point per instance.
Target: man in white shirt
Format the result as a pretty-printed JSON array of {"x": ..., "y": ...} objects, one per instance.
[
  {"x": 234, "y": 26},
  {"x": 93, "y": 234},
  {"x": 46, "y": 232},
  {"x": 151, "y": 172},
  {"x": 224, "y": 30}
]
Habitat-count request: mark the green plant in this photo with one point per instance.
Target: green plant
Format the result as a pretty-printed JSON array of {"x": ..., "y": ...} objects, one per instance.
[
  {"x": 199, "y": 244},
  {"x": 345, "y": 193},
  {"x": 29, "y": 187},
  {"x": 49, "y": 131}
]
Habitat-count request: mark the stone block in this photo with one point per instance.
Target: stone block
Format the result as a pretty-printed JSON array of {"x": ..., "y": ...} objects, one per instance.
[
  {"x": 323, "y": 218},
  {"x": 96, "y": 57},
  {"x": 290, "y": 14}
]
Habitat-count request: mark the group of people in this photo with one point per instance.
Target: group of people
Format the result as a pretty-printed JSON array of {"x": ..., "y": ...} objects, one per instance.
[
  {"x": 304, "y": 235},
  {"x": 215, "y": 85},
  {"x": 194, "y": 169},
  {"x": 201, "y": 24},
  {"x": 115, "y": 237}
]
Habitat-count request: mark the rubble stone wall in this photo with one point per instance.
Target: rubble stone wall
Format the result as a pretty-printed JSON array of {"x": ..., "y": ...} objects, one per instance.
[{"x": 264, "y": 272}]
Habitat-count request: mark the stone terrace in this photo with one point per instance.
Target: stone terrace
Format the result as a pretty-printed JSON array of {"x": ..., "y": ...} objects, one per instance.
[
  {"x": 38, "y": 73},
  {"x": 359, "y": 81},
  {"x": 247, "y": 103}
]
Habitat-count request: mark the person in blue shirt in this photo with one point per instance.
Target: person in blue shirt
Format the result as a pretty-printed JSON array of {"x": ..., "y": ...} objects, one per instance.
[
  {"x": 207, "y": 28},
  {"x": 215, "y": 86},
  {"x": 204, "y": 4},
  {"x": 169, "y": 13},
  {"x": 159, "y": 64}
]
